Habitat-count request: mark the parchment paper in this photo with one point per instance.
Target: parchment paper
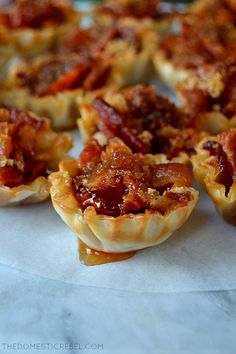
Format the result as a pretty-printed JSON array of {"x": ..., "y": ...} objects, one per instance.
[{"x": 200, "y": 256}]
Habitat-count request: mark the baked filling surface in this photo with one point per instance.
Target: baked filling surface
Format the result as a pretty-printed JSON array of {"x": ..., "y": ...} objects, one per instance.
[
  {"x": 148, "y": 123},
  {"x": 53, "y": 74},
  {"x": 116, "y": 181},
  {"x": 93, "y": 41}
]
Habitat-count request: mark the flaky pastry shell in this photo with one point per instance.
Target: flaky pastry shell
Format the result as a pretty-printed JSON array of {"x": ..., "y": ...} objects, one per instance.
[
  {"x": 205, "y": 171},
  {"x": 35, "y": 192},
  {"x": 115, "y": 234}
]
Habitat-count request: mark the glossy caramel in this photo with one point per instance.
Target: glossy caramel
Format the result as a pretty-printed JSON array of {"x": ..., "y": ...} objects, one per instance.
[{"x": 92, "y": 257}]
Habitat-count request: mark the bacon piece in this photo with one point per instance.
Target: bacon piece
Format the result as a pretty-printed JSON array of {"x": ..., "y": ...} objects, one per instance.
[
  {"x": 228, "y": 141},
  {"x": 225, "y": 171},
  {"x": 91, "y": 153},
  {"x": 225, "y": 168},
  {"x": 114, "y": 122},
  {"x": 169, "y": 174},
  {"x": 10, "y": 176},
  {"x": 98, "y": 76},
  {"x": 133, "y": 141},
  {"x": 134, "y": 200},
  {"x": 180, "y": 197},
  {"x": 67, "y": 81}
]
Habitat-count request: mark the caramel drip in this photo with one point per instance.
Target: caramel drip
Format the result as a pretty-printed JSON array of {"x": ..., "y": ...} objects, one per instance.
[{"x": 91, "y": 257}]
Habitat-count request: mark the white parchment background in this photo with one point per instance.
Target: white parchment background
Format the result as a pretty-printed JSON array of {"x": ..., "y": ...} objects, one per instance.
[{"x": 200, "y": 256}]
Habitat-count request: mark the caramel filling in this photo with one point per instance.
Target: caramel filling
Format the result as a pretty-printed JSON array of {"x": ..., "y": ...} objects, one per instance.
[
  {"x": 116, "y": 181},
  {"x": 91, "y": 257}
]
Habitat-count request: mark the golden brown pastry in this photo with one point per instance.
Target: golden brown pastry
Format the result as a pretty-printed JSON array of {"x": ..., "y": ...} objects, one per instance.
[
  {"x": 29, "y": 151},
  {"x": 117, "y": 201},
  {"x": 214, "y": 166}
]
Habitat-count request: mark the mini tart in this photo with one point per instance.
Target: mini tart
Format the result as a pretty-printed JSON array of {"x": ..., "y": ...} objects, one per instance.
[
  {"x": 49, "y": 86},
  {"x": 109, "y": 200},
  {"x": 214, "y": 166},
  {"x": 128, "y": 43},
  {"x": 33, "y": 27},
  {"x": 146, "y": 122},
  {"x": 195, "y": 61},
  {"x": 29, "y": 150}
]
